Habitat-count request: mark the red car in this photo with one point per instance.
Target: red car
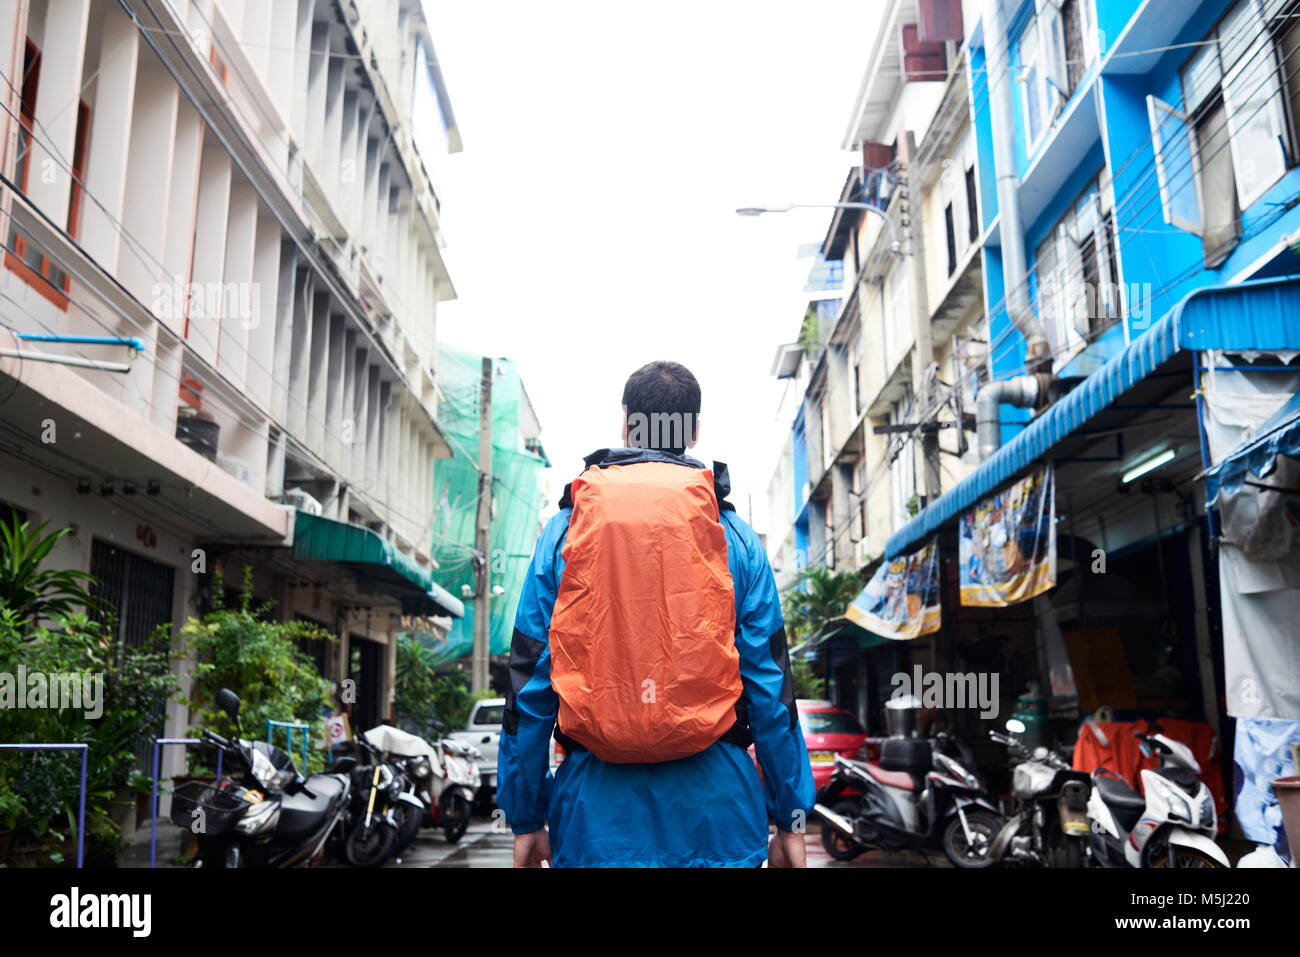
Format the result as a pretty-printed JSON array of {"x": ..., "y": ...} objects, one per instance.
[{"x": 828, "y": 731}]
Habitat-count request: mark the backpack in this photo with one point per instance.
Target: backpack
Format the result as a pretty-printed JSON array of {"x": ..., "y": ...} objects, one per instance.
[{"x": 642, "y": 637}]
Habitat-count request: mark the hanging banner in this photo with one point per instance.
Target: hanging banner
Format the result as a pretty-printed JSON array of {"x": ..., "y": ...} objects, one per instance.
[
  {"x": 902, "y": 599},
  {"x": 1008, "y": 543}
]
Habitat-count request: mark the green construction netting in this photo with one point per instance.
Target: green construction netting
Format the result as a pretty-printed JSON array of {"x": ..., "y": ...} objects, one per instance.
[{"x": 516, "y": 474}]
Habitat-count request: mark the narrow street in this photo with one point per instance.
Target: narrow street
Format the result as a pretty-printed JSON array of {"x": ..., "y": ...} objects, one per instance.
[{"x": 482, "y": 847}]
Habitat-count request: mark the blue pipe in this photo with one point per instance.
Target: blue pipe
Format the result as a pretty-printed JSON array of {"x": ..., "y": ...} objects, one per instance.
[{"x": 131, "y": 341}]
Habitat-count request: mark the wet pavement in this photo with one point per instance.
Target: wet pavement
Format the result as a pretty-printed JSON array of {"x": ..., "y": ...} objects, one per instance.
[
  {"x": 482, "y": 846},
  {"x": 486, "y": 845}
]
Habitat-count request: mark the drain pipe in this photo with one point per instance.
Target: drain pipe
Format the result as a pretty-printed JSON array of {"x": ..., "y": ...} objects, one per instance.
[
  {"x": 1011, "y": 225},
  {"x": 1037, "y": 390},
  {"x": 1022, "y": 392}
]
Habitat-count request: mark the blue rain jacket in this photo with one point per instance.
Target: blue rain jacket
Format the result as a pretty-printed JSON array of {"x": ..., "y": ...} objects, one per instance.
[{"x": 707, "y": 810}]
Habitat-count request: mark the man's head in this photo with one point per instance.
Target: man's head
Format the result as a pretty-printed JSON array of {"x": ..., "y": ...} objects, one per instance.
[{"x": 661, "y": 408}]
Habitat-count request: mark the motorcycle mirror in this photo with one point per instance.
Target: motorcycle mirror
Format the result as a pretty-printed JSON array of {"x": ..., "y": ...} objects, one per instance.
[
  {"x": 1015, "y": 726},
  {"x": 228, "y": 702}
]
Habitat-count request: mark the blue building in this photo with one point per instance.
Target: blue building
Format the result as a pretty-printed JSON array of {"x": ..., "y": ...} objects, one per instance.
[{"x": 1139, "y": 181}]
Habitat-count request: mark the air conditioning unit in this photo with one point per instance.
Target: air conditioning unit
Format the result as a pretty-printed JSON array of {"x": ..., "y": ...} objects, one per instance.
[{"x": 302, "y": 501}]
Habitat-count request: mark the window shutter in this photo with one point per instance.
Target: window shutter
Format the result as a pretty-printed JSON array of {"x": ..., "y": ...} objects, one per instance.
[
  {"x": 923, "y": 61},
  {"x": 940, "y": 21},
  {"x": 1174, "y": 141}
]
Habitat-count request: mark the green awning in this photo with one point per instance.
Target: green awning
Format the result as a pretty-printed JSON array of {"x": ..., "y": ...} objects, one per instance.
[
  {"x": 376, "y": 562},
  {"x": 839, "y": 628}
]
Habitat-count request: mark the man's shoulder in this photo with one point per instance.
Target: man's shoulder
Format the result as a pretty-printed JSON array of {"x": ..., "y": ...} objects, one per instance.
[{"x": 739, "y": 532}]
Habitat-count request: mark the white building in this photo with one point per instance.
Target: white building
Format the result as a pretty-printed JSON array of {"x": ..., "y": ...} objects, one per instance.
[{"x": 236, "y": 190}]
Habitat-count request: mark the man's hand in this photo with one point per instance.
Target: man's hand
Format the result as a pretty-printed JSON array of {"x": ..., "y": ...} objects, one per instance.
[
  {"x": 532, "y": 849},
  {"x": 784, "y": 850}
]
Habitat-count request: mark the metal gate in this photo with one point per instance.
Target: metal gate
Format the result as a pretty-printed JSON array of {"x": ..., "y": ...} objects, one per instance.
[{"x": 140, "y": 591}]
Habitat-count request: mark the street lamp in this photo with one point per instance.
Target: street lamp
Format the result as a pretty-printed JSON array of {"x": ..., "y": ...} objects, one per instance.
[{"x": 895, "y": 245}]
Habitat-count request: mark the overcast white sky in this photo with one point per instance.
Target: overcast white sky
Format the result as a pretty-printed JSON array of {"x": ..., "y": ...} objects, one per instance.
[{"x": 591, "y": 222}]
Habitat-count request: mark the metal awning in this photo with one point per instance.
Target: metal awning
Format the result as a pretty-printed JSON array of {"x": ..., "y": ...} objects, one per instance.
[
  {"x": 838, "y": 628},
  {"x": 1262, "y": 315},
  {"x": 375, "y": 560},
  {"x": 1280, "y": 435}
]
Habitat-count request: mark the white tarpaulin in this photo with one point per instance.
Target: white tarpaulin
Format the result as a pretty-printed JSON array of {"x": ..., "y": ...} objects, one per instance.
[{"x": 1259, "y": 556}]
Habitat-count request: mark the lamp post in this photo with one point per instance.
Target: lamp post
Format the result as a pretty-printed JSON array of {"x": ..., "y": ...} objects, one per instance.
[{"x": 895, "y": 244}]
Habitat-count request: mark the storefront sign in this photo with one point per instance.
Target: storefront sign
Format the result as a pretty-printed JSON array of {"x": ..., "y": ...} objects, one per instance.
[
  {"x": 902, "y": 599},
  {"x": 1008, "y": 543}
]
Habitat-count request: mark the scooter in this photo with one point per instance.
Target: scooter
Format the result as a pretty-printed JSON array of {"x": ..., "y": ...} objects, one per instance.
[
  {"x": 1174, "y": 825},
  {"x": 452, "y": 810},
  {"x": 1049, "y": 827},
  {"x": 916, "y": 798},
  {"x": 270, "y": 817}
]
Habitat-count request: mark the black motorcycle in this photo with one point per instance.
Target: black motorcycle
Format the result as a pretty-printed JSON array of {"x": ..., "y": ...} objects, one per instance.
[
  {"x": 1049, "y": 827},
  {"x": 918, "y": 797},
  {"x": 373, "y": 829},
  {"x": 270, "y": 816}
]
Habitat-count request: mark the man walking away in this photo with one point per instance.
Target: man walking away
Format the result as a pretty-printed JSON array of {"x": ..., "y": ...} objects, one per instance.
[{"x": 649, "y": 638}]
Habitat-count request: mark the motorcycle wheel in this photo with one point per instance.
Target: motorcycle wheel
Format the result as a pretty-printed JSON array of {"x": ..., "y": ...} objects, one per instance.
[
  {"x": 456, "y": 815},
  {"x": 370, "y": 846},
  {"x": 838, "y": 846},
  {"x": 984, "y": 826},
  {"x": 409, "y": 818},
  {"x": 1185, "y": 857}
]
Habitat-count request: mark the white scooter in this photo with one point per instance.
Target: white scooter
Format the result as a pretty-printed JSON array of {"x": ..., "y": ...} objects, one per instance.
[{"x": 1174, "y": 825}]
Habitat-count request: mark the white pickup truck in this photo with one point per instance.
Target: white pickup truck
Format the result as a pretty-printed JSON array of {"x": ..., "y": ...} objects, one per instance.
[{"x": 483, "y": 731}]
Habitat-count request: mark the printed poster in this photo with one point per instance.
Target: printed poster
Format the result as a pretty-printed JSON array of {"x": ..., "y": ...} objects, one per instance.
[
  {"x": 902, "y": 599},
  {"x": 1008, "y": 543}
]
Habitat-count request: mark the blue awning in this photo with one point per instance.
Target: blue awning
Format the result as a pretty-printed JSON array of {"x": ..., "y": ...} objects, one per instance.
[
  {"x": 1280, "y": 435},
  {"x": 1260, "y": 315}
]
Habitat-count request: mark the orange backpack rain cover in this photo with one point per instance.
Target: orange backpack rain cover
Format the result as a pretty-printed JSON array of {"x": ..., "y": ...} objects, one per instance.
[{"x": 642, "y": 640}]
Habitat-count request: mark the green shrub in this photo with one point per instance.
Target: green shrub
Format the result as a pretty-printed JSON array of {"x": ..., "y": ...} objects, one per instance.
[{"x": 243, "y": 650}]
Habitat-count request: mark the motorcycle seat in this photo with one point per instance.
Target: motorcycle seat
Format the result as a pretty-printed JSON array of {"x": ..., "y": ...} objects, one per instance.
[
  {"x": 892, "y": 779},
  {"x": 300, "y": 814},
  {"x": 1118, "y": 795}
]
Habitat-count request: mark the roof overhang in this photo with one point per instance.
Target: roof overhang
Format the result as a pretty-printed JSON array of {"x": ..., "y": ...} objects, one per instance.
[{"x": 1262, "y": 315}]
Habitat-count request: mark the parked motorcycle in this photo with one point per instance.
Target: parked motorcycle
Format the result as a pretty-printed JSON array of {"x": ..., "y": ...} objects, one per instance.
[
  {"x": 420, "y": 767},
  {"x": 438, "y": 783},
  {"x": 270, "y": 817},
  {"x": 454, "y": 805},
  {"x": 918, "y": 797},
  {"x": 372, "y": 827},
  {"x": 1174, "y": 825},
  {"x": 1049, "y": 827}
]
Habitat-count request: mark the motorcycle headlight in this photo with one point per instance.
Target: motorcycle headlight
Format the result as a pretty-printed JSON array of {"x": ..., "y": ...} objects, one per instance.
[
  {"x": 419, "y": 767},
  {"x": 259, "y": 819},
  {"x": 1208, "y": 817}
]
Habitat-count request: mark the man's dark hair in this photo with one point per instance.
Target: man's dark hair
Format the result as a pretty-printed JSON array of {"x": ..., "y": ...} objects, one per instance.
[{"x": 662, "y": 402}]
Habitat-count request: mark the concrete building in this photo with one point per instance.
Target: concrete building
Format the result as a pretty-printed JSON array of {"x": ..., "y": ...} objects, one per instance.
[{"x": 221, "y": 274}]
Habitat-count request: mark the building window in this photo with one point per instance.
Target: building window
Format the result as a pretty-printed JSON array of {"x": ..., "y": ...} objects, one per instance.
[
  {"x": 78, "y": 169},
  {"x": 898, "y": 318},
  {"x": 855, "y": 373},
  {"x": 27, "y": 112},
  {"x": 1235, "y": 134},
  {"x": 956, "y": 196},
  {"x": 1077, "y": 272},
  {"x": 972, "y": 206}
]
